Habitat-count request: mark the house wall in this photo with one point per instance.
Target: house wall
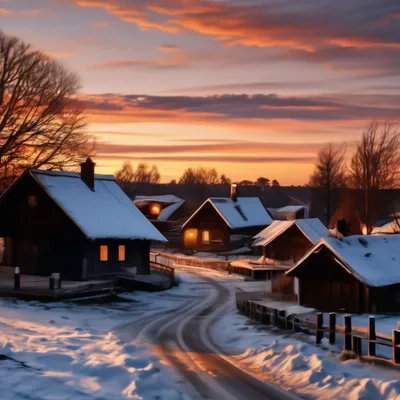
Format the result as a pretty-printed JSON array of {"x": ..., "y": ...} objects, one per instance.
[
  {"x": 292, "y": 244},
  {"x": 137, "y": 254},
  {"x": 41, "y": 239}
]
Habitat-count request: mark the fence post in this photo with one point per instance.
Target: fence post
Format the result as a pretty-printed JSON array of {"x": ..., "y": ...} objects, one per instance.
[
  {"x": 320, "y": 323},
  {"x": 396, "y": 343},
  {"x": 282, "y": 319},
  {"x": 295, "y": 326},
  {"x": 371, "y": 336},
  {"x": 357, "y": 345},
  {"x": 275, "y": 317},
  {"x": 347, "y": 332},
  {"x": 332, "y": 328}
]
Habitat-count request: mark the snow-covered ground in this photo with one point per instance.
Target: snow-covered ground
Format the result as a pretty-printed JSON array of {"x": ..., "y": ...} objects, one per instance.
[
  {"x": 74, "y": 351},
  {"x": 295, "y": 363},
  {"x": 65, "y": 351}
]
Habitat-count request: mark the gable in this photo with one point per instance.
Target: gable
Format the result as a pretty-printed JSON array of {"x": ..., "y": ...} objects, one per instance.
[
  {"x": 26, "y": 209},
  {"x": 206, "y": 214}
]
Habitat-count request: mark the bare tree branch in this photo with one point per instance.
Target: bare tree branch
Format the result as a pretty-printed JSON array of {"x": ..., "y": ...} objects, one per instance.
[{"x": 41, "y": 122}]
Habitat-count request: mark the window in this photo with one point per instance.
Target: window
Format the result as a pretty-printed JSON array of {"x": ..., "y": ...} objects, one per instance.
[
  {"x": 191, "y": 235},
  {"x": 103, "y": 253},
  {"x": 155, "y": 209},
  {"x": 121, "y": 252},
  {"x": 205, "y": 237}
]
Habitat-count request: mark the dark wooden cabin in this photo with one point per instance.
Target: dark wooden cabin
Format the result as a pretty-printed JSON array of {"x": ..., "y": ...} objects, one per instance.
[
  {"x": 80, "y": 225},
  {"x": 355, "y": 274},
  {"x": 290, "y": 240},
  {"x": 221, "y": 224}
]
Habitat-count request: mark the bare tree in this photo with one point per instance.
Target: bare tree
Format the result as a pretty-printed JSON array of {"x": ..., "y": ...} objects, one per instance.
[
  {"x": 376, "y": 165},
  {"x": 205, "y": 176},
  {"x": 329, "y": 173},
  {"x": 224, "y": 180},
  {"x": 262, "y": 181},
  {"x": 125, "y": 175},
  {"x": 143, "y": 174},
  {"x": 41, "y": 122},
  {"x": 275, "y": 183}
]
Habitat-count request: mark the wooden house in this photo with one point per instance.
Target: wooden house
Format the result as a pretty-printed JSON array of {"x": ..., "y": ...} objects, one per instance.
[
  {"x": 81, "y": 225},
  {"x": 282, "y": 244},
  {"x": 162, "y": 210},
  {"x": 222, "y": 223},
  {"x": 354, "y": 274},
  {"x": 288, "y": 241}
]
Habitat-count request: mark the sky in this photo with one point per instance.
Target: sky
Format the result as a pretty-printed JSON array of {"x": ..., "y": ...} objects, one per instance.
[{"x": 250, "y": 87}]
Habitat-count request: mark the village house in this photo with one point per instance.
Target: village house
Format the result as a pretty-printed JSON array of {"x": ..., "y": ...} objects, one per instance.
[
  {"x": 354, "y": 274},
  {"x": 162, "y": 210},
  {"x": 282, "y": 244},
  {"x": 222, "y": 223},
  {"x": 287, "y": 241},
  {"x": 81, "y": 225}
]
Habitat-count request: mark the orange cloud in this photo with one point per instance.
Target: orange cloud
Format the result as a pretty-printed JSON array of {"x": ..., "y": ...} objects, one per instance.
[
  {"x": 4, "y": 11},
  {"x": 259, "y": 24},
  {"x": 169, "y": 48}
]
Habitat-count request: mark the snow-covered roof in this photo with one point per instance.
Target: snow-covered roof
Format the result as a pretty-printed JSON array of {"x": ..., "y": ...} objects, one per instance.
[
  {"x": 171, "y": 201},
  {"x": 374, "y": 260},
  {"x": 289, "y": 212},
  {"x": 387, "y": 229},
  {"x": 105, "y": 213},
  {"x": 163, "y": 198},
  {"x": 245, "y": 212},
  {"x": 312, "y": 228}
]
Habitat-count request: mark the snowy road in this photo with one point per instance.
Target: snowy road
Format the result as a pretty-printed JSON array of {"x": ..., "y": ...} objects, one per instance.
[{"x": 182, "y": 337}]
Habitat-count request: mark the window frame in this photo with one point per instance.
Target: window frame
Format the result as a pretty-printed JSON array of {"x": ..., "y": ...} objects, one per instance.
[
  {"x": 208, "y": 234},
  {"x": 106, "y": 247},
  {"x": 118, "y": 253}
]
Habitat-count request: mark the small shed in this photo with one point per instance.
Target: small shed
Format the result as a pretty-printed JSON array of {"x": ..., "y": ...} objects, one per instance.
[
  {"x": 354, "y": 274},
  {"x": 222, "y": 223},
  {"x": 79, "y": 224}
]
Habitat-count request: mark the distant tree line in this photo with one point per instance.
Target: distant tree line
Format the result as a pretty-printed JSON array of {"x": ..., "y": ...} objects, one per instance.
[
  {"x": 375, "y": 165},
  {"x": 206, "y": 176}
]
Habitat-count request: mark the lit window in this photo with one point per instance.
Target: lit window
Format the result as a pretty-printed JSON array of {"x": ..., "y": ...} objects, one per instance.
[
  {"x": 191, "y": 234},
  {"x": 103, "y": 253},
  {"x": 155, "y": 209},
  {"x": 205, "y": 237},
  {"x": 121, "y": 252}
]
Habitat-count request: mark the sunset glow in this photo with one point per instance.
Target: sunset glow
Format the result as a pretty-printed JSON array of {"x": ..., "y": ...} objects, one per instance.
[{"x": 250, "y": 87}]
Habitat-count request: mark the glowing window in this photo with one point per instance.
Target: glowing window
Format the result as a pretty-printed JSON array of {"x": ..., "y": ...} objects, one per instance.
[
  {"x": 205, "y": 237},
  {"x": 104, "y": 253},
  {"x": 155, "y": 209},
  {"x": 121, "y": 252},
  {"x": 191, "y": 234}
]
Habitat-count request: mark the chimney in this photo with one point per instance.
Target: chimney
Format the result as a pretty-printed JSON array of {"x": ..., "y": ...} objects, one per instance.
[
  {"x": 87, "y": 173},
  {"x": 342, "y": 227},
  {"x": 234, "y": 192}
]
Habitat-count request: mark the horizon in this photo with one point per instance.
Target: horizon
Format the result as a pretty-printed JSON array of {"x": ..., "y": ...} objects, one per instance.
[{"x": 252, "y": 88}]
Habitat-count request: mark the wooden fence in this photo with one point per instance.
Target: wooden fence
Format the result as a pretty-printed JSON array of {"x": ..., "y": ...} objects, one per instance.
[
  {"x": 353, "y": 339},
  {"x": 162, "y": 265}
]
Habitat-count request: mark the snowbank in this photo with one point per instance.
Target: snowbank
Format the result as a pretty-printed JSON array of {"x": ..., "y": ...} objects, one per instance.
[
  {"x": 70, "y": 352},
  {"x": 305, "y": 368}
]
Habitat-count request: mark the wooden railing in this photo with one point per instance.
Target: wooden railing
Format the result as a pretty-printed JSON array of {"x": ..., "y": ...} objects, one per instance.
[
  {"x": 353, "y": 338},
  {"x": 162, "y": 265}
]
